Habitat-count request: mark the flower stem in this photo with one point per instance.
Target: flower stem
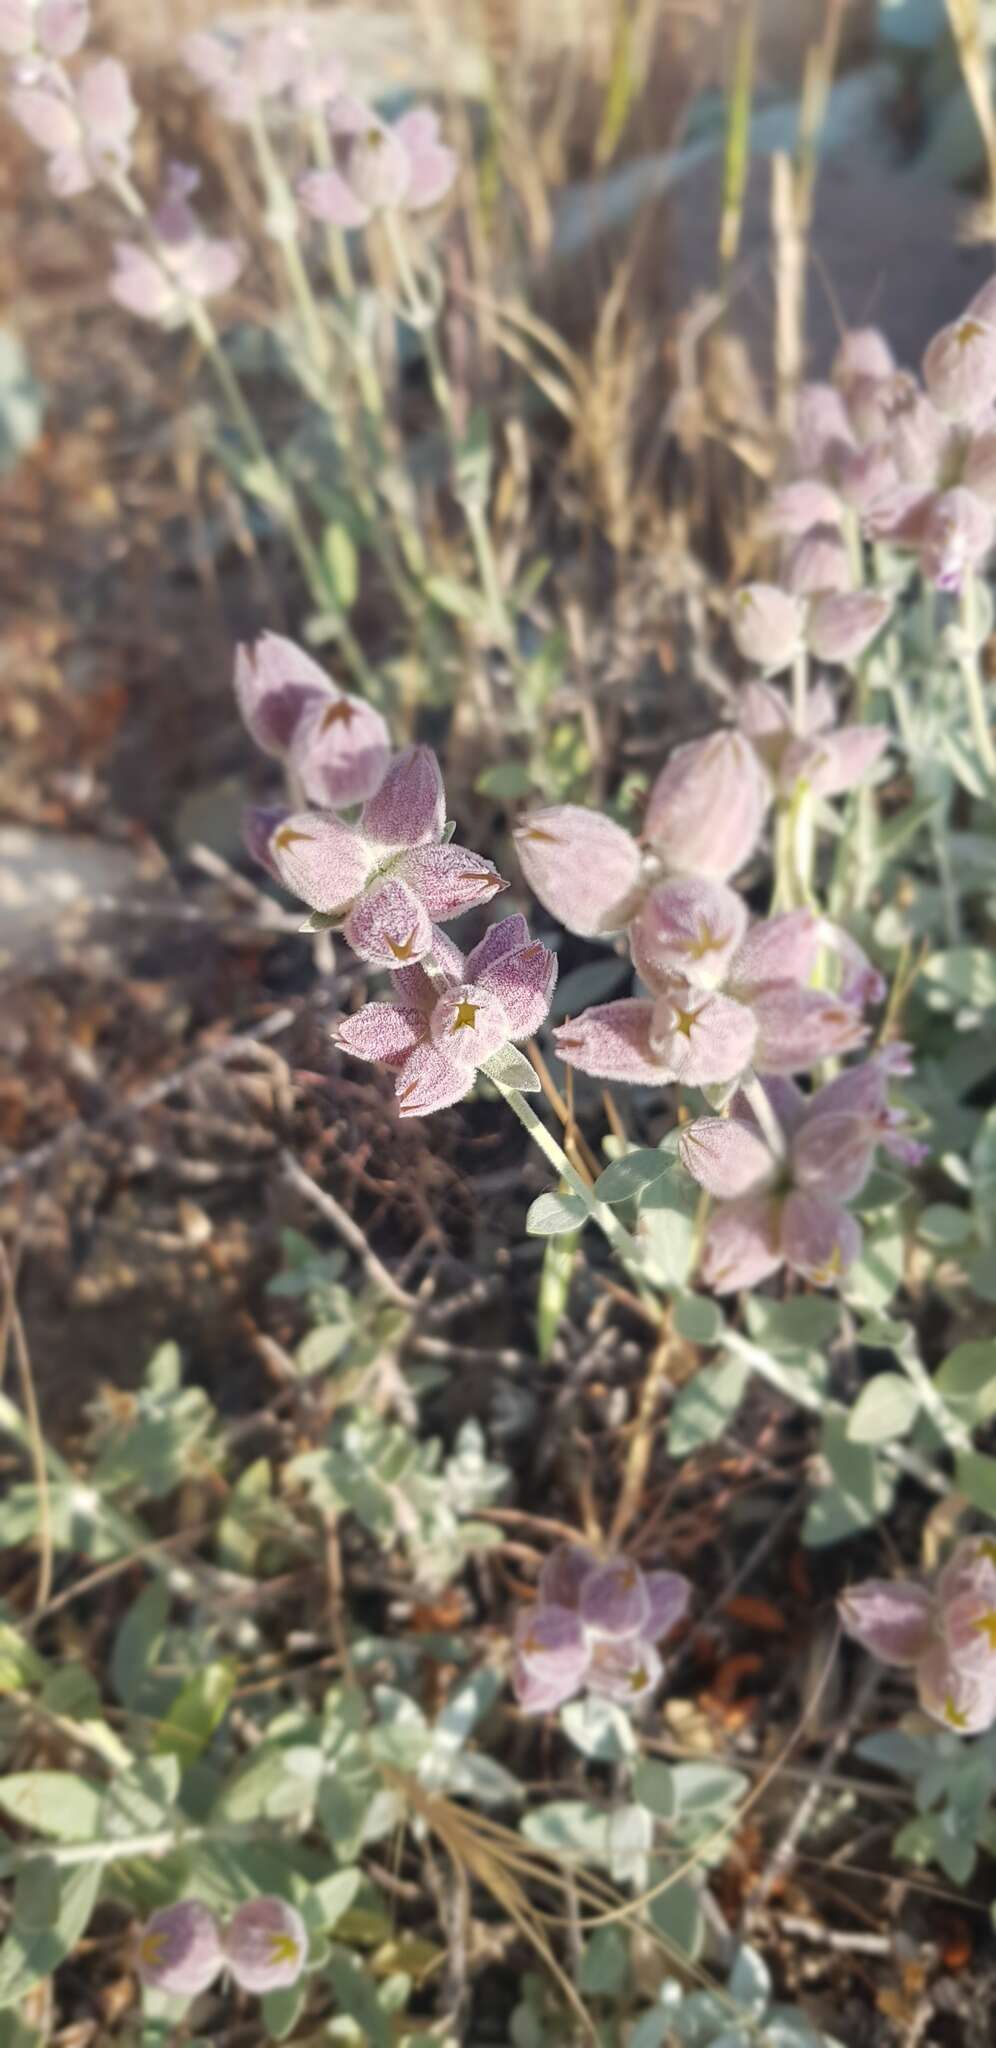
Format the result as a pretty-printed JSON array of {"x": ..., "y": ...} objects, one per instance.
[
  {"x": 972, "y": 681},
  {"x": 599, "y": 1212},
  {"x": 284, "y": 229}
]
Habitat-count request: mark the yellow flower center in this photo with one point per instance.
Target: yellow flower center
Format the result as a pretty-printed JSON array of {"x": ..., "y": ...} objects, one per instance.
[
  {"x": 986, "y": 1626},
  {"x": 342, "y": 712},
  {"x": 466, "y": 1017},
  {"x": 151, "y": 1948},
  {"x": 283, "y": 1948},
  {"x": 287, "y": 835},
  {"x": 954, "y": 1714},
  {"x": 403, "y": 948}
]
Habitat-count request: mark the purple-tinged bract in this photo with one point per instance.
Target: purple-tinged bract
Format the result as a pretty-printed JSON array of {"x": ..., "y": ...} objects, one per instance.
[
  {"x": 180, "y": 1949},
  {"x": 266, "y": 1945}
]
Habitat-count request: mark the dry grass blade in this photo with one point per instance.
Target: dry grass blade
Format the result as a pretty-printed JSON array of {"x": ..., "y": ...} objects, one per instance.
[
  {"x": 15, "y": 1328},
  {"x": 965, "y": 17}
]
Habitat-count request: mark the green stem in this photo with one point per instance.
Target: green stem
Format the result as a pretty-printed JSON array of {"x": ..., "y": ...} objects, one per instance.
[
  {"x": 972, "y": 681},
  {"x": 599, "y": 1212},
  {"x": 284, "y": 229}
]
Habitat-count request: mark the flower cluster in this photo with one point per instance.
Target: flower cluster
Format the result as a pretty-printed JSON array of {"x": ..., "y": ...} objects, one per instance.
[
  {"x": 944, "y": 1632},
  {"x": 189, "y": 264},
  {"x": 781, "y": 1191},
  {"x": 595, "y": 1627},
  {"x": 388, "y": 877},
  {"x": 900, "y": 460},
  {"x": 378, "y": 165},
  {"x": 84, "y": 124},
  {"x": 183, "y": 1948}
]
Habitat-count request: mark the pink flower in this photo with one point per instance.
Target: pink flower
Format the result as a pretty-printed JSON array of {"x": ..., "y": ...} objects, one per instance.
[
  {"x": 943, "y": 1632},
  {"x": 338, "y": 746},
  {"x": 594, "y": 1627},
  {"x": 584, "y": 868},
  {"x": 379, "y": 165},
  {"x": 389, "y": 878},
  {"x": 959, "y": 368},
  {"x": 441, "y": 1030},
  {"x": 83, "y": 128},
  {"x": 863, "y": 352},
  {"x": 789, "y": 1210},
  {"x": 243, "y": 68},
  {"x": 190, "y": 264},
  {"x": 46, "y": 28},
  {"x": 826, "y": 758},
  {"x": 768, "y": 625},
  {"x": 823, "y": 431},
  {"x": 953, "y": 535},
  {"x": 179, "y": 1950},
  {"x": 265, "y": 1945},
  {"x": 816, "y": 563},
  {"x": 707, "y": 807}
]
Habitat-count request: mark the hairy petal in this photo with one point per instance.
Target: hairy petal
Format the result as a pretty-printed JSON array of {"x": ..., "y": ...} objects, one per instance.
[
  {"x": 798, "y": 1027},
  {"x": 614, "y": 1599},
  {"x": 179, "y": 1950},
  {"x": 964, "y": 1702},
  {"x": 626, "y": 1670},
  {"x": 450, "y": 880},
  {"x": 564, "y": 1574},
  {"x": 584, "y": 868},
  {"x": 725, "y": 1156},
  {"x": 381, "y": 1031},
  {"x": 429, "y": 1080},
  {"x": 552, "y": 1650},
  {"x": 409, "y": 808},
  {"x": 843, "y": 624},
  {"x": 768, "y": 625},
  {"x": 275, "y": 682},
  {"x": 321, "y": 860},
  {"x": 668, "y": 1594},
  {"x": 523, "y": 982},
  {"x": 959, "y": 368},
  {"x": 890, "y": 1617},
  {"x": 819, "y": 1238},
  {"x": 832, "y": 1155},
  {"x": 612, "y": 1042},
  {"x": 743, "y": 1244},
  {"x": 389, "y": 925},
  {"x": 506, "y": 935},
  {"x": 783, "y": 948},
  {"x": 468, "y": 1024},
  {"x": 327, "y": 196}
]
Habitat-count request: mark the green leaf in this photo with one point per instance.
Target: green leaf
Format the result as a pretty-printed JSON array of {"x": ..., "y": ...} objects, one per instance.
[
  {"x": 599, "y": 1729},
  {"x": 967, "y": 1381},
  {"x": 706, "y": 1406},
  {"x": 943, "y": 1224},
  {"x": 196, "y": 1712},
  {"x": 554, "y": 1290},
  {"x": 56, "y": 1803},
  {"x": 461, "y": 600},
  {"x": 357, "y": 1996},
  {"x": 701, "y": 1788},
  {"x": 975, "y": 1477},
  {"x": 506, "y": 781},
  {"x": 654, "y": 1788},
  {"x": 698, "y": 1319},
  {"x": 860, "y": 1488},
  {"x": 677, "y": 1915},
  {"x": 509, "y": 1068},
  {"x": 962, "y": 975},
  {"x": 30, "y": 1953},
  {"x": 341, "y": 561},
  {"x": 632, "y": 1174},
  {"x": 137, "y": 1643},
  {"x": 605, "y": 1964},
  {"x": 809, "y": 1322},
  {"x": 281, "y": 2010},
  {"x": 666, "y": 1229},
  {"x": 554, "y": 1214},
  {"x": 885, "y": 1409}
]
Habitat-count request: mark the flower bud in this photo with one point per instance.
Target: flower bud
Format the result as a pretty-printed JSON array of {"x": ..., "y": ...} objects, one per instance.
[
  {"x": 340, "y": 750},
  {"x": 584, "y": 868},
  {"x": 863, "y": 352},
  {"x": 266, "y": 1945},
  {"x": 275, "y": 682},
  {"x": 823, "y": 431},
  {"x": 321, "y": 860},
  {"x": 843, "y": 625},
  {"x": 956, "y": 534},
  {"x": 521, "y": 976},
  {"x": 818, "y": 562},
  {"x": 959, "y": 368},
  {"x": 832, "y": 1155},
  {"x": 179, "y": 1950},
  {"x": 726, "y": 1156},
  {"x": 767, "y": 625},
  {"x": 688, "y": 928},
  {"x": 890, "y": 1617},
  {"x": 707, "y": 806}
]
